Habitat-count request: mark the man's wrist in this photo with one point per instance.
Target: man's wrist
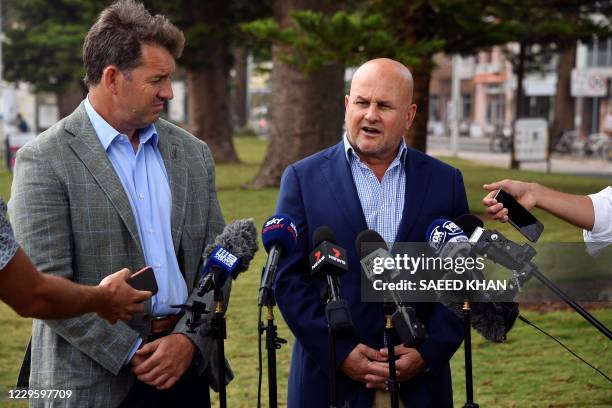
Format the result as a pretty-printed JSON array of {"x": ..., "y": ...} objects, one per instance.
[
  {"x": 188, "y": 342},
  {"x": 95, "y": 297}
]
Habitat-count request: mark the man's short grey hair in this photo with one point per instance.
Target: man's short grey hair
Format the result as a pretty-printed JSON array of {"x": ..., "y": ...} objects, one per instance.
[{"x": 118, "y": 34}]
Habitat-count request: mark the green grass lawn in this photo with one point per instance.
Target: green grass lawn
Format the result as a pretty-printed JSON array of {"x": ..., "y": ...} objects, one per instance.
[{"x": 529, "y": 370}]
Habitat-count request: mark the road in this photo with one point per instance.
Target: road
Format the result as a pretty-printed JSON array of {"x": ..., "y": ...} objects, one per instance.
[{"x": 477, "y": 150}]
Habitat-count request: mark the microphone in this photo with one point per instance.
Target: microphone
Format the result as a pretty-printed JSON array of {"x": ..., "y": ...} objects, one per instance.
[
  {"x": 447, "y": 239},
  {"x": 370, "y": 246},
  {"x": 279, "y": 236},
  {"x": 468, "y": 223},
  {"x": 493, "y": 320},
  {"x": 329, "y": 259},
  {"x": 228, "y": 255}
]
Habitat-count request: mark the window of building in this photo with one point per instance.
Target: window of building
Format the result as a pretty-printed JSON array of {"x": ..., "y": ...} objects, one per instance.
[
  {"x": 599, "y": 53},
  {"x": 434, "y": 108},
  {"x": 466, "y": 107}
]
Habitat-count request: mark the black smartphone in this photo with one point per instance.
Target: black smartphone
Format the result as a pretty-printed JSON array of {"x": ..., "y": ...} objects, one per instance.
[
  {"x": 519, "y": 217},
  {"x": 144, "y": 279}
]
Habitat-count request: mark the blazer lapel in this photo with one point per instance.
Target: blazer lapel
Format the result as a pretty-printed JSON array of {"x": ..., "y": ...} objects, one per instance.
[
  {"x": 417, "y": 185},
  {"x": 88, "y": 148},
  {"x": 173, "y": 153},
  {"x": 338, "y": 175}
]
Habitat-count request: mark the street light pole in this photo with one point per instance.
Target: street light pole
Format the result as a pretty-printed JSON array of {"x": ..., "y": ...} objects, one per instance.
[{"x": 455, "y": 98}]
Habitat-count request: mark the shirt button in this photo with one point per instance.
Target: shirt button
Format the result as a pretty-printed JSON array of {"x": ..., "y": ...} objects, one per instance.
[
  {"x": 141, "y": 196},
  {"x": 157, "y": 265},
  {"x": 150, "y": 231}
]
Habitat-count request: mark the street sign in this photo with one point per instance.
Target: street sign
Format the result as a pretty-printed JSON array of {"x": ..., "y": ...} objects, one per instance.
[
  {"x": 531, "y": 139},
  {"x": 589, "y": 82}
]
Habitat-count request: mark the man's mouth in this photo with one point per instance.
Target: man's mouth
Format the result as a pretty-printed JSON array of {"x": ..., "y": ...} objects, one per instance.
[{"x": 371, "y": 131}]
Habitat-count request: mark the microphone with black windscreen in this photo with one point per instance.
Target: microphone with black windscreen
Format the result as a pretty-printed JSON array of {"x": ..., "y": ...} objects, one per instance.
[
  {"x": 493, "y": 320},
  {"x": 328, "y": 260},
  {"x": 371, "y": 246}
]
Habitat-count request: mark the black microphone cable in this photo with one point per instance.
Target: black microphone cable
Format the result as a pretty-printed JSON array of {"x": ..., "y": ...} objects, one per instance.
[{"x": 524, "y": 319}]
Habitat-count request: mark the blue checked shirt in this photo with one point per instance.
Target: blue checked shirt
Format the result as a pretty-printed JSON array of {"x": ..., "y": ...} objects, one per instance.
[{"x": 382, "y": 202}]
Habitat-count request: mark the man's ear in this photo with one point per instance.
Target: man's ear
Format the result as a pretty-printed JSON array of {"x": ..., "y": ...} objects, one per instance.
[
  {"x": 412, "y": 110},
  {"x": 110, "y": 78}
]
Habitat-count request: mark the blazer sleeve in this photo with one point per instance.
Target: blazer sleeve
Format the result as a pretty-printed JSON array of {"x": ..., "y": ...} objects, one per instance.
[
  {"x": 297, "y": 295},
  {"x": 206, "y": 359},
  {"x": 445, "y": 329},
  {"x": 40, "y": 212}
]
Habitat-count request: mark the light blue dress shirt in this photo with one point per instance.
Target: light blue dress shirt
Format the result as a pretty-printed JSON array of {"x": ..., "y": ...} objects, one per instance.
[
  {"x": 145, "y": 182},
  {"x": 382, "y": 201}
]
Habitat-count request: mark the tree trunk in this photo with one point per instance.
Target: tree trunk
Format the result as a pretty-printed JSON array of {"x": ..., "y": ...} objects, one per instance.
[
  {"x": 209, "y": 103},
  {"x": 306, "y": 111},
  {"x": 514, "y": 164},
  {"x": 564, "y": 103},
  {"x": 417, "y": 135},
  {"x": 240, "y": 87},
  {"x": 70, "y": 98}
]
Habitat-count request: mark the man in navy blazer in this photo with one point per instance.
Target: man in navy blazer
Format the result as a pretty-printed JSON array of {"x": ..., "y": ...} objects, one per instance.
[{"x": 369, "y": 180}]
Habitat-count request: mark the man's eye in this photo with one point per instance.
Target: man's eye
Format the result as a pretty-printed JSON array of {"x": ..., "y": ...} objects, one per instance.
[{"x": 362, "y": 103}]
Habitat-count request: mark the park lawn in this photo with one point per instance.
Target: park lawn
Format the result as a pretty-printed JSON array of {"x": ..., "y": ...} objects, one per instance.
[{"x": 529, "y": 370}]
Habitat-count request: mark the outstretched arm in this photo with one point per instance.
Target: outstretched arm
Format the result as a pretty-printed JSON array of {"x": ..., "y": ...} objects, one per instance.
[
  {"x": 33, "y": 294},
  {"x": 575, "y": 209}
]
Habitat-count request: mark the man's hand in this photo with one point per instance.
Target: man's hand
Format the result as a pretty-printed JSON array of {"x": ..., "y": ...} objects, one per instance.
[
  {"x": 120, "y": 301},
  {"x": 168, "y": 358},
  {"x": 521, "y": 191},
  {"x": 409, "y": 362},
  {"x": 366, "y": 365}
]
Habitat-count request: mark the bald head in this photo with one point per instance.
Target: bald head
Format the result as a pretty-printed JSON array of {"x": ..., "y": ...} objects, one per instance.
[
  {"x": 388, "y": 69},
  {"x": 379, "y": 111}
]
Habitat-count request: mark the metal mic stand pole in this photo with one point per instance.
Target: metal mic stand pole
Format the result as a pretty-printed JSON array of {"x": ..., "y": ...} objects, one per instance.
[
  {"x": 393, "y": 385},
  {"x": 273, "y": 343},
  {"x": 499, "y": 249},
  {"x": 332, "y": 295},
  {"x": 467, "y": 343},
  {"x": 219, "y": 332},
  {"x": 333, "y": 397}
]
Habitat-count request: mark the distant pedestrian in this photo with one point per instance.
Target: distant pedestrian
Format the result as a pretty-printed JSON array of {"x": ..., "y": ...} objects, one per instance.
[{"x": 22, "y": 125}]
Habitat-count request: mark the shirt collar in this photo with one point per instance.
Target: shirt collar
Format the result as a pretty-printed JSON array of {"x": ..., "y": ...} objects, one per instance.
[
  {"x": 350, "y": 152},
  {"x": 106, "y": 133}
]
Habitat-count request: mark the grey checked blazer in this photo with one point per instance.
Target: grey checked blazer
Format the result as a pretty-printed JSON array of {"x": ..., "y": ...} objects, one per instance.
[{"x": 73, "y": 218}]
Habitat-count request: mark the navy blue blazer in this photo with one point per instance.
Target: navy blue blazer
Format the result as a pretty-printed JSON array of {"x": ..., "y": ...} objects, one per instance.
[{"x": 319, "y": 190}]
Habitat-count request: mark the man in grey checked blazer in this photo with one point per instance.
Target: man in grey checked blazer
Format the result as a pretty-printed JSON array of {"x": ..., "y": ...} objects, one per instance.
[{"x": 75, "y": 217}]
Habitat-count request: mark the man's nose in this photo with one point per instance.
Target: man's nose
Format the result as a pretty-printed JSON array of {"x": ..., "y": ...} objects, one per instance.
[
  {"x": 372, "y": 113},
  {"x": 166, "y": 90}
]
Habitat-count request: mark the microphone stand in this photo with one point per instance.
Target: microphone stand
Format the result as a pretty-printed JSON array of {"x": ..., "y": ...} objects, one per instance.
[
  {"x": 219, "y": 332},
  {"x": 518, "y": 258},
  {"x": 467, "y": 343},
  {"x": 338, "y": 320},
  {"x": 273, "y": 343},
  {"x": 389, "y": 329}
]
